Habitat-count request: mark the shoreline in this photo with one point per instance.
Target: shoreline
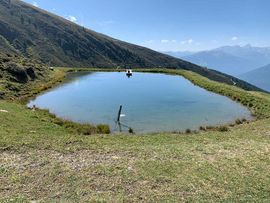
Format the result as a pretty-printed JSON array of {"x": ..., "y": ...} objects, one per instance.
[{"x": 234, "y": 93}]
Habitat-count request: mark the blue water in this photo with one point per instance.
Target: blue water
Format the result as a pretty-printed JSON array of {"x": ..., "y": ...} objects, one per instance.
[{"x": 151, "y": 102}]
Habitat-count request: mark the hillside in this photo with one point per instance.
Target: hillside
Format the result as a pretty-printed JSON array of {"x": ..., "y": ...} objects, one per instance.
[
  {"x": 259, "y": 77},
  {"x": 37, "y": 34},
  {"x": 18, "y": 72}
]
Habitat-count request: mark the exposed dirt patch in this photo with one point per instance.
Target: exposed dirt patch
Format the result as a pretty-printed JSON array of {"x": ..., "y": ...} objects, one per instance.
[{"x": 79, "y": 160}]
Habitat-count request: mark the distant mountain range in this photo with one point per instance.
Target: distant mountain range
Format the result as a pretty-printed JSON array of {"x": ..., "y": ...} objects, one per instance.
[
  {"x": 33, "y": 33},
  {"x": 179, "y": 54},
  {"x": 259, "y": 77},
  {"x": 233, "y": 60}
]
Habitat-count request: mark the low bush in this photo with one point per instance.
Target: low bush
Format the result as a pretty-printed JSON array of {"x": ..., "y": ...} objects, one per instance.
[
  {"x": 188, "y": 131},
  {"x": 238, "y": 121},
  {"x": 202, "y": 128},
  {"x": 103, "y": 129},
  {"x": 223, "y": 128}
]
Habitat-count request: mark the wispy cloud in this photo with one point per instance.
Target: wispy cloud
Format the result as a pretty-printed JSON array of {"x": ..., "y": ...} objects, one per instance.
[
  {"x": 234, "y": 38},
  {"x": 35, "y": 4},
  {"x": 168, "y": 41},
  {"x": 164, "y": 41},
  {"x": 189, "y": 41},
  {"x": 72, "y": 18}
]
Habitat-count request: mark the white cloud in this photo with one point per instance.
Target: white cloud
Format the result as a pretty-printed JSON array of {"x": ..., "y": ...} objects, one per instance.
[
  {"x": 168, "y": 41},
  {"x": 35, "y": 4},
  {"x": 72, "y": 18},
  {"x": 164, "y": 41},
  {"x": 189, "y": 41},
  {"x": 234, "y": 38}
]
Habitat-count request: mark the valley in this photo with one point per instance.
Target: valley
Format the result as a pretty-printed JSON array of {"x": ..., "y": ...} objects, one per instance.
[{"x": 193, "y": 133}]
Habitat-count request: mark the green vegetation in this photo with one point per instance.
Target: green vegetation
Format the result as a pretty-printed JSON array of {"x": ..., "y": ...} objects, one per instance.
[
  {"x": 44, "y": 160},
  {"x": 18, "y": 75}
]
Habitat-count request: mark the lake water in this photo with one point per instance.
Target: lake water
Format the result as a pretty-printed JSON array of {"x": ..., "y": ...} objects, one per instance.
[{"x": 151, "y": 102}]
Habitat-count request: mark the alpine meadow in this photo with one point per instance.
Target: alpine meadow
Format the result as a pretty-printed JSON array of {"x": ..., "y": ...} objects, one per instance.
[{"x": 86, "y": 117}]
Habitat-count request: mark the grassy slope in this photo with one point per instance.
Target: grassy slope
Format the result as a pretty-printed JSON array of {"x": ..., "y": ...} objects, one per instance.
[{"x": 43, "y": 161}]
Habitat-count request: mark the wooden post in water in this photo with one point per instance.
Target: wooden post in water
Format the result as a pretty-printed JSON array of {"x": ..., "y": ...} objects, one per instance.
[{"x": 119, "y": 114}]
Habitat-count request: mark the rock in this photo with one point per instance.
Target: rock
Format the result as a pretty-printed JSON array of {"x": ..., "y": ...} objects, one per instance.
[
  {"x": 2, "y": 94},
  {"x": 18, "y": 73},
  {"x": 31, "y": 73}
]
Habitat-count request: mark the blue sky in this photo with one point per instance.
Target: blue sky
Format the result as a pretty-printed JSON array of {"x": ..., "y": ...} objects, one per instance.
[{"x": 171, "y": 25}]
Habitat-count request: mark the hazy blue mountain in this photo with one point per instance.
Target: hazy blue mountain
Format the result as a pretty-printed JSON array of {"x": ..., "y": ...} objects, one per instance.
[
  {"x": 259, "y": 77},
  {"x": 222, "y": 61},
  {"x": 260, "y": 55},
  {"x": 179, "y": 54},
  {"x": 234, "y": 60}
]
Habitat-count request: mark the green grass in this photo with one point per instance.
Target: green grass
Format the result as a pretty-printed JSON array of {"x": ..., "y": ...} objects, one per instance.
[{"x": 42, "y": 160}]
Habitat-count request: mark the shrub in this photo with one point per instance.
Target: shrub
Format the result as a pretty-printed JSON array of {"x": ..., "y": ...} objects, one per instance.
[
  {"x": 103, "y": 129},
  {"x": 130, "y": 130},
  {"x": 209, "y": 127},
  {"x": 238, "y": 121},
  {"x": 59, "y": 122},
  {"x": 202, "y": 128},
  {"x": 223, "y": 128},
  {"x": 188, "y": 131}
]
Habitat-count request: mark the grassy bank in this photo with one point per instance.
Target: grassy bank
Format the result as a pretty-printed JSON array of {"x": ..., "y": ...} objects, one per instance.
[{"x": 42, "y": 160}]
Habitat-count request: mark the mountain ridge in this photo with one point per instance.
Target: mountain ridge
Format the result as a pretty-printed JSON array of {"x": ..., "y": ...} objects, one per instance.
[
  {"x": 53, "y": 40},
  {"x": 259, "y": 77},
  {"x": 233, "y": 60}
]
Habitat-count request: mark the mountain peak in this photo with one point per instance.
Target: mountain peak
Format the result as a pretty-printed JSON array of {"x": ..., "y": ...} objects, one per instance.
[{"x": 247, "y": 46}]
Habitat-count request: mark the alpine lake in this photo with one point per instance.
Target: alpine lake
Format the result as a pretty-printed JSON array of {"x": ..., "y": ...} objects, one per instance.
[{"x": 151, "y": 102}]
